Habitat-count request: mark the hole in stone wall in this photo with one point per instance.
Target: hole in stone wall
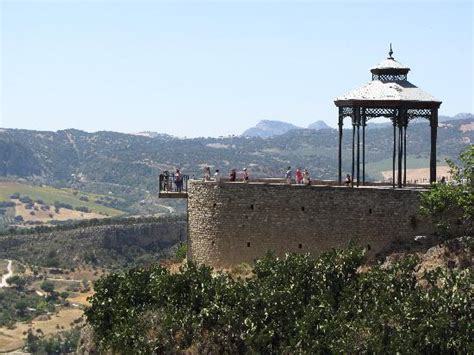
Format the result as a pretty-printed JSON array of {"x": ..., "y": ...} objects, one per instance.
[
  {"x": 248, "y": 244},
  {"x": 214, "y": 205},
  {"x": 251, "y": 207},
  {"x": 300, "y": 246},
  {"x": 212, "y": 243},
  {"x": 302, "y": 208},
  {"x": 370, "y": 210},
  {"x": 368, "y": 247}
]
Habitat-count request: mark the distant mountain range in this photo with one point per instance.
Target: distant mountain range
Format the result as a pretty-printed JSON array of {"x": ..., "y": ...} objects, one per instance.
[
  {"x": 459, "y": 116},
  {"x": 269, "y": 128}
]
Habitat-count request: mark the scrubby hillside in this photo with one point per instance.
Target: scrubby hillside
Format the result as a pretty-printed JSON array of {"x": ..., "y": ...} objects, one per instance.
[
  {"x": 113, "y": 244},
  {"x": 129, "y": 164}
]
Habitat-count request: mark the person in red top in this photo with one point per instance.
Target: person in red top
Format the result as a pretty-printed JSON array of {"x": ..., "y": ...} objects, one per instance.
[{"x": 299, "y": 176}]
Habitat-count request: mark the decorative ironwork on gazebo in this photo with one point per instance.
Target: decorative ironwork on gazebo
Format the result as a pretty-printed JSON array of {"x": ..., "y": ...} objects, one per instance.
[{"x": 390, "y": 95}]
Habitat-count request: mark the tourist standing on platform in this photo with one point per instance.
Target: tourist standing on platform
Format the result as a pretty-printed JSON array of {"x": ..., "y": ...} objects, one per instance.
[
  {"x": 166, "y": 181},
  {"x": 217, "y": 176},
  {"x": 348, "y": 180},
  {"x": 288, "y": 175},
  {"x": 245, "y": 176},
  {"x": 299, "y": 176},
  {"x": 233, "y": 175},
  {"x": 207, "y": 173},
  {"x": 178, "y": 180},
  {"x": 306, "y": 178}
]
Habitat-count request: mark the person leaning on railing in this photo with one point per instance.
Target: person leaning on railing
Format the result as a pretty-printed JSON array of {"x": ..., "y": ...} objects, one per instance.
[{"x": 178, "y": 180}]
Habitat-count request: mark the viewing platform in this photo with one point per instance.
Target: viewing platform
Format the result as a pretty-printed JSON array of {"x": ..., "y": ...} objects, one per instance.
[
  {"x": 170, "y": 189},
  {"x": 171, "y": 186}
]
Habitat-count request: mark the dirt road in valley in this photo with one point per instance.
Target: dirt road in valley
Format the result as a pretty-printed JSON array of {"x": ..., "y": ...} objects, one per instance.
[{"x": 9, "y": 274}]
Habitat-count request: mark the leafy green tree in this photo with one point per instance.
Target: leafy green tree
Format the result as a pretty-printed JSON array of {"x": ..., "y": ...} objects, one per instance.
[
  {"x": 451, "y": 205},
  {"x": 47, "y": 286},
  {"x": 21, "y": 307},
  {"x": 31, "y": 342},
  {"x": 17, "y": 281}
]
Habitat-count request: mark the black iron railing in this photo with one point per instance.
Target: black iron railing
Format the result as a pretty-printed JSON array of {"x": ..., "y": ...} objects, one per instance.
[{"x": 170, "y": 182}]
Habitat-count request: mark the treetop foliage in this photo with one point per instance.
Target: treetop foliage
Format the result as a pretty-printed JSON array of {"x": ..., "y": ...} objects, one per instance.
[
  {"x": 451, "y": 205},
  {"x": 291, "y": 304}
]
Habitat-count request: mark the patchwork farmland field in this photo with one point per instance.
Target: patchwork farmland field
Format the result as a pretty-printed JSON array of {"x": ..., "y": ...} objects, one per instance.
[{"x": 49, "y": 195}]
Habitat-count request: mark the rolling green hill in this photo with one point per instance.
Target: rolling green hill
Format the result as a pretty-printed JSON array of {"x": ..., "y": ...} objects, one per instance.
[
  {"x": 129, "y": 165},
  {"x": 49, "y": 195}
]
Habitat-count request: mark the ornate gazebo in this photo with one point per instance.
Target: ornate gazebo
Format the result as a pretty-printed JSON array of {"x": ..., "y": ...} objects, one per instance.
[{"x": 390, "y": 95}]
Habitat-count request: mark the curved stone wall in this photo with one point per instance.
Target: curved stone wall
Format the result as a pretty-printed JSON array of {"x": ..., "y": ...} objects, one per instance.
[{"x": 230, "y": 223}]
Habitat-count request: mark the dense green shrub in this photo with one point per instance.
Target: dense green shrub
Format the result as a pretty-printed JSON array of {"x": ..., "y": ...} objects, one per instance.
[
  {"x": 20, "y": 305},
  {"x": 67, "y": 206},
  {"x": 47, "y": 286},
  {"x": 181, "y": 252},
  {"x": 83, "y": 209},
  {"x": 17, "y": 281},
  {"x": 61, "y": 343},
  {"x": 26, "y": 199},
  {"x": 451, "y": 206},
  {"x": 293, "y": 304}
]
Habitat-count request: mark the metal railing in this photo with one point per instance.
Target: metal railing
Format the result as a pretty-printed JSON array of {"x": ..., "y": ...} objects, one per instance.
[{"x": 171, "y": 183}]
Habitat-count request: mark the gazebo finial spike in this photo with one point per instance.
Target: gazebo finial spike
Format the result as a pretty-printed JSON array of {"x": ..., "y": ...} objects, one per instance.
[{"x": 390, "y": 52}]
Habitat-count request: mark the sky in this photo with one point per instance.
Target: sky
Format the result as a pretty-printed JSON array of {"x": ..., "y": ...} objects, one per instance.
[{"x": 194, "y": 68}]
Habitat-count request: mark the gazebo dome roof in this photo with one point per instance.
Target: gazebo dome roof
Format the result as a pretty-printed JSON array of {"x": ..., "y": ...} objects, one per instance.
[
  {"x": 389, "y": 85},
  {"x": 389, "y": 63},
  {"x": 377, "y": 90}
]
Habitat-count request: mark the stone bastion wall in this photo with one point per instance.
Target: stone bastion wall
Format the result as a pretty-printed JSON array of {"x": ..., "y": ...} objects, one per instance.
[{"x": 230, "y": 223}]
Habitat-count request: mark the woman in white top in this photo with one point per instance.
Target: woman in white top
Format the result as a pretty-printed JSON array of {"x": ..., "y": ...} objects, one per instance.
[
  {"x": 217, "y": 176},
  {"x": 306, "y": 179},
  {"x": 245, "y": 175}
]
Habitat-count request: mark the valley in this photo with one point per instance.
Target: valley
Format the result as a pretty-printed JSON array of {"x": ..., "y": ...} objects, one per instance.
[
  {"x": 43, "y": 301},
  {"x": 52, "y": 274}
]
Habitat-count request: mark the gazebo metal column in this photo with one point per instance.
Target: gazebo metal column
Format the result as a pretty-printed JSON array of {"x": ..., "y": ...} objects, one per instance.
[
  {"x": 357, "y": 120},
  {"x": 353, "y": 142},
  {"x": 363, "y": 145},
  {"x": 434, "y": 129},
  {"x": 404, "y": 127},
  {"x": 400, "y": 146},
  {"x": 394, "y": 121},
  {"x": 400, "y": 154},
  {"x": 340, "y": 124}
]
